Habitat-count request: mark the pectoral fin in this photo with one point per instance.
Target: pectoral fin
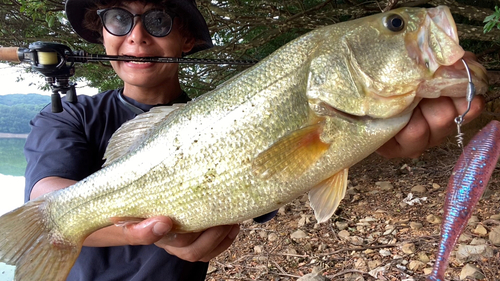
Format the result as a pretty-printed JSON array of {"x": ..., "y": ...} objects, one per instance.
[
  {"x": 292, "y": 155},
  {"x": 326, "y": 196}
]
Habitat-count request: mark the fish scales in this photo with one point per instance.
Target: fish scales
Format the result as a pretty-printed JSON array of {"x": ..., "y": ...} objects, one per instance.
[{"x": 293, "y": 123}]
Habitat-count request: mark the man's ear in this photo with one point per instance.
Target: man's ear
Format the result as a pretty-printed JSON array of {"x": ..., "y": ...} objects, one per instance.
[{"x": 188, "y": 44}]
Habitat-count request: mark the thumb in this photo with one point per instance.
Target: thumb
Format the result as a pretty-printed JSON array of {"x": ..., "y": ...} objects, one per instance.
[{"x": 148, "y": 231}]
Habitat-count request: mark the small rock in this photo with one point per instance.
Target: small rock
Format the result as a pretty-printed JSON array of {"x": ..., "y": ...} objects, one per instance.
[
  {"x": 466, "y": 253},
  {"x": 423, "y": 257},
  {"x": 433, "y": 219},
  {"x": 384, "y": 252},
  {"x": 478, "y": 241},
  {"x": 341, "y": 225},
  {"x": 356, "y": 240},
  {"x": 415, "y": 265},
  {"x": 305, "y": 219},
  {"x": 427, "y": 270},
  {"x": 471, "y": 271},
  {"x": 283, "y": 210},
  {"x": 211, "y": 269},
  {"x": 367, "y": 220},
  {"x": 419, "y": 189},
  {"x": 385, "y": 185},
  {"x": 416, "y": 225},
  {"x": 343, "y": 234},
  {"x": 473, "y": 220},
  {"x": 389, "y": 229},
  {"x": 495, "y": 217},
  {"x": 480, "y": 230},
  {"x": 315, "y": 275},
  {"x": 258, "y": 249},
  {"x": 272, "y": 237},
  {"x": 436, "y": 186},
  {"x": 291, "y": 251},
  {"x": 408, "y": 248},
  {"x": 263, "y": 234},
  {"x": 298, "y": 234},
  {"x": 464, "y": 238},
  {"x": 360, "y": 264},
  {"x": 494, "y": 235},
  {"x": 374, "y": 264}
]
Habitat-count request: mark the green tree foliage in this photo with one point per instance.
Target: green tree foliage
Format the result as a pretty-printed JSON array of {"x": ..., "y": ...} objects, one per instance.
[
  {"x": 16, "y": 111},
  {"x": 241, "y": 29},
  {"x": 492, "y": 21}
]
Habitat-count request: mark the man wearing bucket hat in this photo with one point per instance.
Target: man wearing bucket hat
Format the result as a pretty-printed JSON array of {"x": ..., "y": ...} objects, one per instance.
[{"x": 74, "y": 141}]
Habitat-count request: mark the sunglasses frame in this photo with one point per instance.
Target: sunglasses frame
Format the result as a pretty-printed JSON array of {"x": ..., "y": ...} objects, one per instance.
[{"x": 101, "y": 13}]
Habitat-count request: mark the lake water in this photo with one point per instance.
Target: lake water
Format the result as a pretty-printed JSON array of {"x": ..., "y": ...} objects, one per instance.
[{"x": 12, "y": 165}]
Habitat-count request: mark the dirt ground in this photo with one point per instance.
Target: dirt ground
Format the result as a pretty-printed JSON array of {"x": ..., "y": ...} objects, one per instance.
[{"x": 382, "y": 236}]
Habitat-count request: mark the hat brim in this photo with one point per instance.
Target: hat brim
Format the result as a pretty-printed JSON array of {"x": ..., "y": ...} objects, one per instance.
[{"x": 75, "y": 12}]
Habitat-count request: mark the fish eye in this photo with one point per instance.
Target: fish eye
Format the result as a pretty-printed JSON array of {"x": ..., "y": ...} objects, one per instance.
[{"x": 394, "y": 22}]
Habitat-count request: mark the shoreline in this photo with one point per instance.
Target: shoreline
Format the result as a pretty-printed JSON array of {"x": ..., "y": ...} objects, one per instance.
[{"x": 13, "y": 136}]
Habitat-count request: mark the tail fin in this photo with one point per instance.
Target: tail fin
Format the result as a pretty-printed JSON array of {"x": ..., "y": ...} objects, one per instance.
[{"x": 28, "y": 241}]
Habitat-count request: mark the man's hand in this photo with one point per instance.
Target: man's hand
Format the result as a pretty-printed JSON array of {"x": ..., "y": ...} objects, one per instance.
[
  {"x": 199, "y": 246},
  {"x": 432, "y": 121}
]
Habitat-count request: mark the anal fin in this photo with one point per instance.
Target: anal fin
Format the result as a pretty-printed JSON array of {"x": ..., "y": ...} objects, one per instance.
[{"x": 325, "y": 197}]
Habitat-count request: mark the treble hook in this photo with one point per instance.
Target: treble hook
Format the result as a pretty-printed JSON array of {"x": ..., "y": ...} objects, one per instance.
[{"x": 471, "y": 91}]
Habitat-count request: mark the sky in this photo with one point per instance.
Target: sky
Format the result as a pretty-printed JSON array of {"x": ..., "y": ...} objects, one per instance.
[{"x": 10, "y": 74}]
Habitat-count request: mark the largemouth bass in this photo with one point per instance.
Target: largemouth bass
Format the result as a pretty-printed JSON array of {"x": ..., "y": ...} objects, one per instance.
[
  {"x": 467, "y": 182},
  {"x": 293, "y": 123}
]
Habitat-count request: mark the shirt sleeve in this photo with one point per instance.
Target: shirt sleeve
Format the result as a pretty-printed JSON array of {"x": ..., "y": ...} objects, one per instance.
[{"x": 56, "y": 146}]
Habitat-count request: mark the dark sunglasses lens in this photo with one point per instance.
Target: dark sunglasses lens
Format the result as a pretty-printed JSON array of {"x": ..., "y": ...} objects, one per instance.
[
  {"x": 157, "y": 23},
  {"x": 117, "y": 21}
]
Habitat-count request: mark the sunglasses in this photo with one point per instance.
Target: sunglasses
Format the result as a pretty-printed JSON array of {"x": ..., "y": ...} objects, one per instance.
[{"x": 120, "y": 22}]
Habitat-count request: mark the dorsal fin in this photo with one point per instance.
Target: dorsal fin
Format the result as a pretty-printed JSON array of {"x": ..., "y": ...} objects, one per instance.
[{"x": 132, "y": 133}]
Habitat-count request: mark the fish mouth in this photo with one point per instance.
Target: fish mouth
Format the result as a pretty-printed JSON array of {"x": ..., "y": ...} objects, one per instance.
[
  {"x": 452, "y": 81},
  {"x": 438, "y": 49},
  {"x": 437, "y": 40}
]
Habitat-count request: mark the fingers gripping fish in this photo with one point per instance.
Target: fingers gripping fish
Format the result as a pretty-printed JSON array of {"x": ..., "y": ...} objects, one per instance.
[
  {"x": 468, "y": 180},
  {"x": 293, "y": 123}
]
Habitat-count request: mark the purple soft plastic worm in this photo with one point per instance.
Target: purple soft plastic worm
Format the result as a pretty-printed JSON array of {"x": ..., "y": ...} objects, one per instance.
[{"x": 466, "y": 185}]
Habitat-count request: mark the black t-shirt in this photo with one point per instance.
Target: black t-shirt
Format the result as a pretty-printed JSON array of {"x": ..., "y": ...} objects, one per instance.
[{"x": 71, "y": 145}]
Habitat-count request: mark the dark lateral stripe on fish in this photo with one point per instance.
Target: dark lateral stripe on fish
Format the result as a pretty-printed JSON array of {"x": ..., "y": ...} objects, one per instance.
[{"x": 465, "y": 187}]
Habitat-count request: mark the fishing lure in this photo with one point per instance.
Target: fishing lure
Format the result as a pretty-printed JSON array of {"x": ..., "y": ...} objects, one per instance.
[{"x": 469, "y": 178}]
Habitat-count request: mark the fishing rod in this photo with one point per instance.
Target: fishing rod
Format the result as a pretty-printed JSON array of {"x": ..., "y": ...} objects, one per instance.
[{"x": 56, "y": 62}]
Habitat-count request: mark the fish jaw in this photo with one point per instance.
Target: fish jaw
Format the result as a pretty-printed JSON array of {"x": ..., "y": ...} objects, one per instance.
[
  {"x": 435, "y": 42},
  {"x": 437, "y": 48},
  {"x": 452, "y": 81}
]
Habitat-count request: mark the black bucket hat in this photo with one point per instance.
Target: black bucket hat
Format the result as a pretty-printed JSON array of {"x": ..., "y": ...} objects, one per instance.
[{"x": 75, "y": 11}]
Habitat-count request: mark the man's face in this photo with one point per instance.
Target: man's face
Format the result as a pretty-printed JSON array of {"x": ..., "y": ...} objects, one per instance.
[{"x": 140, "y": 43}]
